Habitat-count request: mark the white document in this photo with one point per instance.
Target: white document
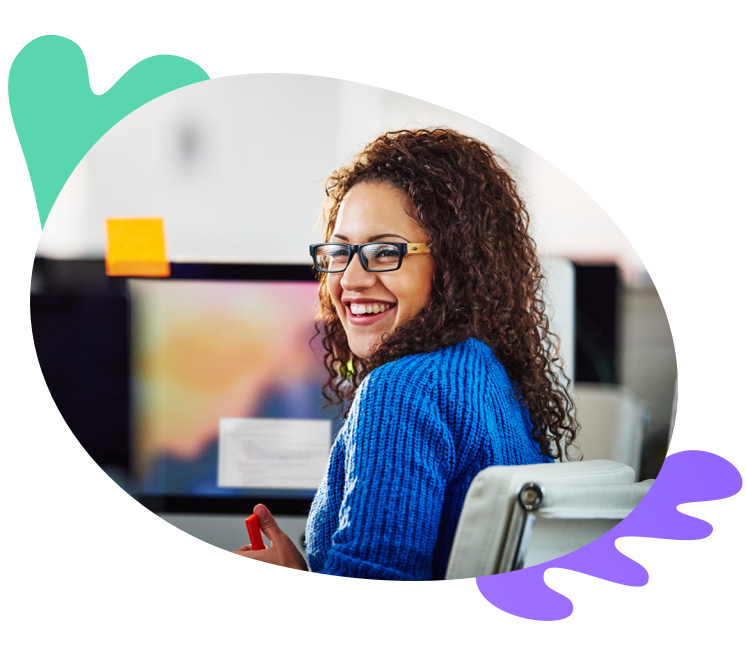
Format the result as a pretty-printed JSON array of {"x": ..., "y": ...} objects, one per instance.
[{"x": 273, "y": 453}]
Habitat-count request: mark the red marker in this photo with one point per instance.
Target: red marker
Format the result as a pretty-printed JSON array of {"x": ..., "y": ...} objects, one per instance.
[{"x": 255, "y": 533}]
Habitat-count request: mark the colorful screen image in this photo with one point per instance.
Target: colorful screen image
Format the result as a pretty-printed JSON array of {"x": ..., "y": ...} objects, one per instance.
[{"x": 210, "y": 350}]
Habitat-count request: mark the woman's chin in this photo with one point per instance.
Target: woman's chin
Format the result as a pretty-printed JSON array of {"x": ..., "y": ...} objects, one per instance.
[
  {"x": 362, "y": 352},
  {"x": 363, "y": 341},
  {"x": 363, "y": 347}
]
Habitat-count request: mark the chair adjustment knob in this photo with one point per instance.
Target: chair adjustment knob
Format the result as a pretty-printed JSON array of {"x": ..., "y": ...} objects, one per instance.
[{"x": 530, "y": 496}]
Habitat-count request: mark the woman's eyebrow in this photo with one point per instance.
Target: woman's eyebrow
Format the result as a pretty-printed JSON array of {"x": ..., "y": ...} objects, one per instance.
[
  {"x": 372, "y": 238},
  {"x": 378, "y": 237}
]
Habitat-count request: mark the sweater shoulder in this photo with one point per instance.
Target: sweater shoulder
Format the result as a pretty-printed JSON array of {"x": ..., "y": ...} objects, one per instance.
[{"x": 456, "y": 364}]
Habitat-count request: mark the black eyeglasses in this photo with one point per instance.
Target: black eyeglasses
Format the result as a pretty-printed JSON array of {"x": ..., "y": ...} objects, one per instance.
[{"x": 374, "y": 257}]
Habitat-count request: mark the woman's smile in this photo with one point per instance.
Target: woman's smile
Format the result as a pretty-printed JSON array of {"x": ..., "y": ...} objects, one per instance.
[
  {"x": 363, "y": 311},
  {"x": 371, "y": 304}
]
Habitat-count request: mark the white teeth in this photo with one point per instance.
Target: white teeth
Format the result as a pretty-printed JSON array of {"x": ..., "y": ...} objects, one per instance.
[{"x": 377, "y": 308}]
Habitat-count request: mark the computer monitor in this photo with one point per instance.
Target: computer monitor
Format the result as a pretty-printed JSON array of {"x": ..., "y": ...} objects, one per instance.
[{"x": 227, "y": 403}]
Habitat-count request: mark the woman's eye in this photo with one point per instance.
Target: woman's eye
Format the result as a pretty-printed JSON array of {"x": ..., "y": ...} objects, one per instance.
[{"x": 387, "y": 252}]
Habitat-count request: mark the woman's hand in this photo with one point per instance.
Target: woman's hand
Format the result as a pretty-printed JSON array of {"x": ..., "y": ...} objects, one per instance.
[{"x": 283, "y": 551}]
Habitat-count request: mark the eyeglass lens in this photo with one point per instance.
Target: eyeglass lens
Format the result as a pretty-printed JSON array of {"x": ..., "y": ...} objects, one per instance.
[{"x": 375, "y": 257}]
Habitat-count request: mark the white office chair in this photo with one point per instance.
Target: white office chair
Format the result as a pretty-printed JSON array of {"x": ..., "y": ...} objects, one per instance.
[{"x": 520, "y": 516}]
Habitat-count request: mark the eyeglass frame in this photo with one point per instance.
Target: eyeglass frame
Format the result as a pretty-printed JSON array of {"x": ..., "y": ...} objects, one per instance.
[{"x": 404, "y": 250}]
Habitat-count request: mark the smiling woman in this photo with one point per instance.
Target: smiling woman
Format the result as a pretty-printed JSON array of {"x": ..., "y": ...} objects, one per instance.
[
  {"x": 370, "y": 302},
  {"x": 435, "y": 333}
]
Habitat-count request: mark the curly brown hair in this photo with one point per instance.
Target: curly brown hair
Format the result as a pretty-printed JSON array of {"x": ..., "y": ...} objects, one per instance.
[{"x": 487, "y": 282}]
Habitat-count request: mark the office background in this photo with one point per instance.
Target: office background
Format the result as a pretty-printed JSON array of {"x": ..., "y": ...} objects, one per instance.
[{"x": 236, "y": 167}]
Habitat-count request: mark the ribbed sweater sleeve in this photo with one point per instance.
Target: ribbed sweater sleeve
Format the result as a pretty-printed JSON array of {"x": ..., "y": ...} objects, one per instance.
[
  {"x": 395, "y": 436},
  {"x": 419, "y": 430}
]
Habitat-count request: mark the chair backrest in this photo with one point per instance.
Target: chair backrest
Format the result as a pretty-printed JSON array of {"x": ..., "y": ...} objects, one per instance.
[
  {"x": 489, "y": 515},
  {"x": 548, "y": 523}
]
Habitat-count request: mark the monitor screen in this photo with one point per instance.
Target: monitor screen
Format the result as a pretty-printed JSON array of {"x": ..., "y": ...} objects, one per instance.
[{"x": 227, "y": 393}]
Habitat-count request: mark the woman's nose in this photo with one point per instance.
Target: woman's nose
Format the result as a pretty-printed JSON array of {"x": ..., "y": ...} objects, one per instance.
[{"x": 356, "y": 277}]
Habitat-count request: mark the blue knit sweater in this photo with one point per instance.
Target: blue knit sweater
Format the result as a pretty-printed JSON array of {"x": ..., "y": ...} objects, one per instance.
[{"x": 418, "y": 432}]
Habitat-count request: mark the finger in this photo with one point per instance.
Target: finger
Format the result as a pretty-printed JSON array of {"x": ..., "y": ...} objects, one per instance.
[
  {"x": 243, "y": 548},
  {"x": 267, "y": 522}
]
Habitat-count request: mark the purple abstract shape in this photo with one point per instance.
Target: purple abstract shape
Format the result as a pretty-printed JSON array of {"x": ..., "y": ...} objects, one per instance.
[{"x": 688, "y": 476}]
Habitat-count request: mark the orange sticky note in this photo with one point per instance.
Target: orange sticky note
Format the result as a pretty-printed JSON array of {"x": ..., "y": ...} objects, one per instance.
[{"x": 136, "y": 247}]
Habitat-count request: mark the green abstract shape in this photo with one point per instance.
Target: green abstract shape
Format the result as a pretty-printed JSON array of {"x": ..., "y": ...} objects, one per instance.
[{"x": 57, "y": 116}]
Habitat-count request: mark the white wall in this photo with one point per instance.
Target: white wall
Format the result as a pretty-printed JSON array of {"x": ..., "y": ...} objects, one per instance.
[{"x": 236, "y": 168}]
